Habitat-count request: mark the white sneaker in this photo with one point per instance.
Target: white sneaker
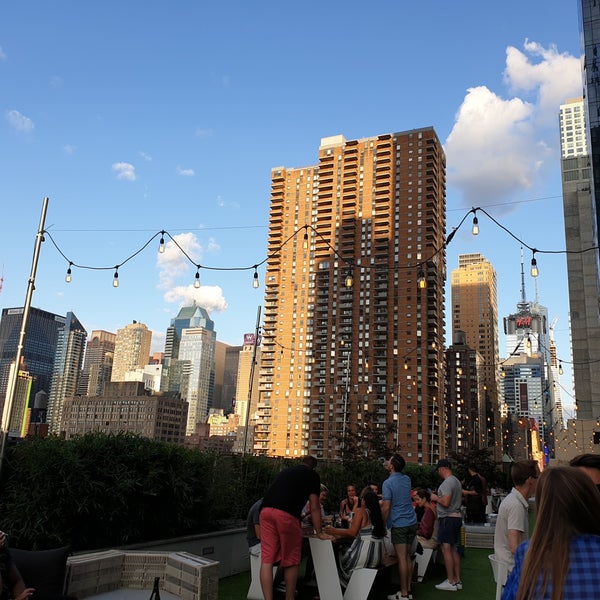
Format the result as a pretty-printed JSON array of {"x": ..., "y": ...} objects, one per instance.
[
  {"x": 397, "y": 596},
  {"x": 459, "y": 585},
  {"x": 446, "y": 586}
]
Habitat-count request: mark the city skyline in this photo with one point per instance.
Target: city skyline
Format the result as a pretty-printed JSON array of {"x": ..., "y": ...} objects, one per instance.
[{"x": 180, "y": 133}]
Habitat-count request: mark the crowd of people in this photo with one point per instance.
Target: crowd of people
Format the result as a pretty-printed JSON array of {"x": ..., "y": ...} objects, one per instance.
[{"x": 553, "y": 565}]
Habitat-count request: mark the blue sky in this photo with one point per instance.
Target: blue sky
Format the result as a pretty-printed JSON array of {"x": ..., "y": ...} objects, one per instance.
[{"x": 134, "y": 117}]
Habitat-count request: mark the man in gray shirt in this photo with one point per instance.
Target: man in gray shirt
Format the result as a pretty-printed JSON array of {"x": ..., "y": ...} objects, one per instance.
[
  {"x": 449, "y": 502},
  {"x": 512, "y": 523}
]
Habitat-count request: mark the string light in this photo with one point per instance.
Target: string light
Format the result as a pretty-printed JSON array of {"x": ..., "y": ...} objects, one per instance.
[
  {"x": 560, "y": 368},
  {"x": 475, "y": 228},
  {"x": 421, "y": 279},
  {"x": 421, "y": 283},
  {"x": 255, "y": 282},
  {"x": 197, "y": 277},
  {"x": 116, "y": 277},
  {"x": 349, "y": 279},
  {"x": 305, "y": 242},
  {"x": 68, "y": 276},
  {"x": 534, "y": 268}
]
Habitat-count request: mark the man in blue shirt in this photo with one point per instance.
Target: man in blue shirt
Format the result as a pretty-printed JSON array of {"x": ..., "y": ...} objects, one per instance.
[{"x": 397, "y": 509}]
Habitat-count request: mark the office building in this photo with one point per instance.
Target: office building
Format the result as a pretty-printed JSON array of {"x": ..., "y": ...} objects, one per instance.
[
  {"x": 68, "y": 360},
  {"x": 97, "y": 366},
  {"x": 39, "y": 348},
  {"x": 127, "y": 407},
  {"x": 230, "y": 377},
  {"x": 580, "y": 213},
  {"x": 475, "y": 311},
  {"x": 132, "y": 349},
  {"x": 352, "y": 360},
  {"x": 247, "y": 385},
  {"x": 189, "y": 363}
]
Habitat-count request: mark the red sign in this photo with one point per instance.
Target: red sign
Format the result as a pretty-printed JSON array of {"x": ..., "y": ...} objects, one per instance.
[{"x": 523, "y": 322}]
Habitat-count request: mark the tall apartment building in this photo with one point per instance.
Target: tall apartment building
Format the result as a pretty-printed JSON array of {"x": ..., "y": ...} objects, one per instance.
[
  {"x": 580, "y": 213},
  {"x": 464, "y": 397},
  {"x": 475, "y": 311},
  {"x": 39, "y": 348},
  {"x": 132, "y": 349},
  {"x": 97, "y": 366},
  {"x": 189, "y": 363},
  {"x": 357, "y": 366},
  {"x": 68, "y": 361}
]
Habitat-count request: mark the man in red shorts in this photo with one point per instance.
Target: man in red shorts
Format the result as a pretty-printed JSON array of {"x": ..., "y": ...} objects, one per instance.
[{"x": 280, "y": 523}]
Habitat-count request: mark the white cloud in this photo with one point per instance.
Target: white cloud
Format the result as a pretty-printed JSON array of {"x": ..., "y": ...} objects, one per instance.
[
  {"x": 213, "y": 247},
  {"x": 185, "y": 172},
  {"x": 3, "y": 56},
  {"x": 124, "y": 170},
  {"x": 146, "y": 157},
  {"x": 173, "y": 265},
  {"x": 499, "y": 146},
  {"x": 69, "y": 149},
  {"x": 556, "y": 77},
  {"x": 19, "y": 122},
  {"x": 158, "y": 341},
  {"x": 209, "y": 297},
  {"x": 222, "y": 203}
]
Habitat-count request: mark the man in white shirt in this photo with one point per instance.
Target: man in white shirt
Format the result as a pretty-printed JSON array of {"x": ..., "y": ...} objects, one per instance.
[{"x": 512, "y": 524}]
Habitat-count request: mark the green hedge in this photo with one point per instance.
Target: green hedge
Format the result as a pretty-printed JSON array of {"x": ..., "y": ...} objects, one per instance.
[{"x": 99, "y": 491}]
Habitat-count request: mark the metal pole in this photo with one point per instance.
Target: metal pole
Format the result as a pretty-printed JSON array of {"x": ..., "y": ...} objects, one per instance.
[
  {"x": 346, "y": 398},
  {"x": 251, "y": 382},
  {"x": 13, "y": 376}
]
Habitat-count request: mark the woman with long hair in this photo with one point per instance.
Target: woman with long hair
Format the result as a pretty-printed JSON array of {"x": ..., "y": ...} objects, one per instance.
[
  {"x": 428, "y": 525},
  {"x": 348, "y": 505},
  {"x": 367, "y": 530},
  {"x": 560, "y": 561}
]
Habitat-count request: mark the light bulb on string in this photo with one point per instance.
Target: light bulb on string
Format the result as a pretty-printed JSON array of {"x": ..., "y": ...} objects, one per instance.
[
  {"x": 475, "y": 228},
  {"x": 197, "y": 277},
  {"x": 349, "y": 281},
  {"x": 305, "y": 241},
  {"x": 421, "y": 280},
  {"x": 161, "y": 244},
  {"x": 255, "y": 282},
  {"x": 116, "y": 277},
  {"x": 534, "y": 268},
  {"x": 68, "y": 275}
]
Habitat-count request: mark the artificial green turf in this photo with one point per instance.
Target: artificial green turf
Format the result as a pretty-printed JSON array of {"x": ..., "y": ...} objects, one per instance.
[{"x": 476, "y": 575}]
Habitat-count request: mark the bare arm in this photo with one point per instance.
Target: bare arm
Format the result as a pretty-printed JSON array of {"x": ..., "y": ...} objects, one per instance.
[
  {"x": 257, "y": 530},
  {"x": 315, "y": 512},
  {"x": 442, "y": 500},
  {"x": 385, "y": 509},
  {"x": 352, "y": 531},
  {"x": 515, "y": 537}
]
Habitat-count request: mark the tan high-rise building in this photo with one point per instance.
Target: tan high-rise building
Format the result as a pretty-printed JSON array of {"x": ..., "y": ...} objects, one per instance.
[
  {"x": 475, "y": 311},
  {"x": 358, "y": 369},
  {"x": 248, "y": 370},
  {"x": 132, "y": 349}
]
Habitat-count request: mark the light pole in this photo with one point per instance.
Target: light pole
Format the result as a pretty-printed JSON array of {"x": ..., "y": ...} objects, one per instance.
[
  {"x": 14, "y": 373},
  {"x": 346, "y": 397}
]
